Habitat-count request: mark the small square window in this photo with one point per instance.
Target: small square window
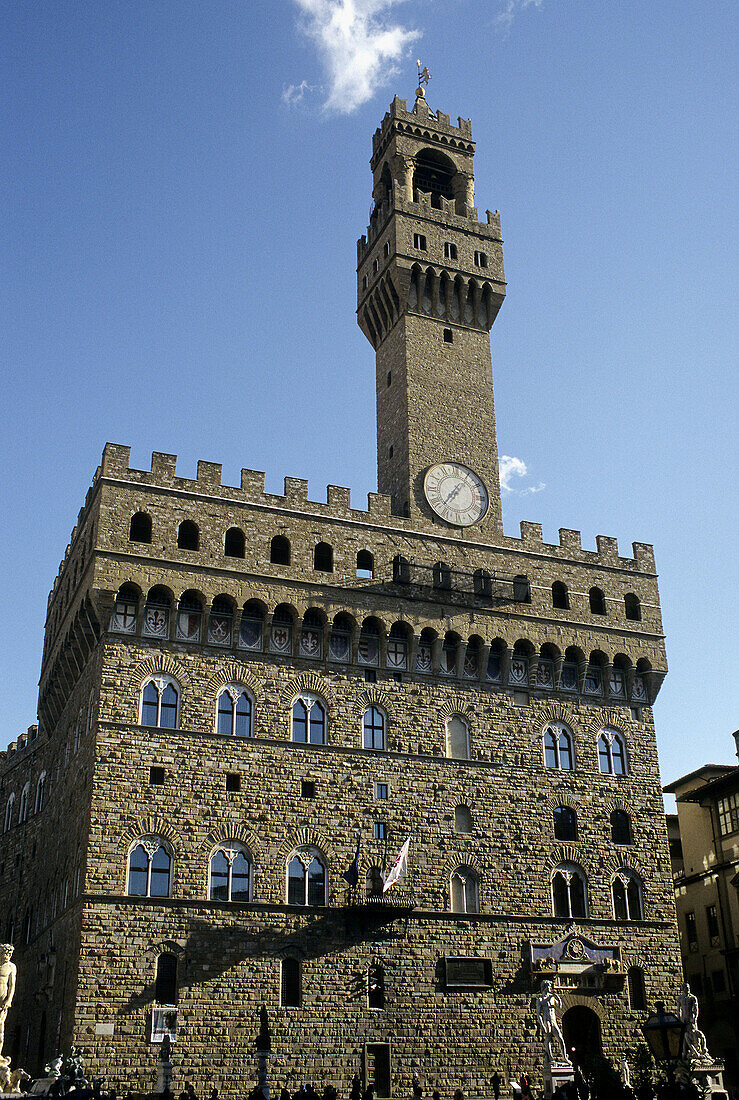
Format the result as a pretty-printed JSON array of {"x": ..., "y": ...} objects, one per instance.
[
  {"x": 370, "y": 676},
  {"x": 382, "y": 791},
  {"x": 450, "y": 250},
  {"x": 448, "y": 336},
  {"x": 636, "y": 714},
  {"x": 481, "y": 259},
  {"x": 307, "y": 788},
  {"x": 380, "y": 830},
  {"x": 233, "y": 781},
  {"x": 419, "y": 242},
  {"x": 156, "y": 776}
]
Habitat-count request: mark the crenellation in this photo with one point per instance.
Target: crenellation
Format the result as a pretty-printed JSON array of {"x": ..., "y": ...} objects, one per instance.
[
  {"x": 296, "y": 491},
  {"x": 164, "y": 467},
  {"x": 252, "y": 483},
  {"x": 570, "y": 540},
  {"x": 531, "y": 533},
  {"x": 607, "y": 547},
  {"x": 209, "y": 474}
]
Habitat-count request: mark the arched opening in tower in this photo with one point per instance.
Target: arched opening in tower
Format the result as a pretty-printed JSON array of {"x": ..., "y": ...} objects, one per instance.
[{"x": 433, "y": 175}]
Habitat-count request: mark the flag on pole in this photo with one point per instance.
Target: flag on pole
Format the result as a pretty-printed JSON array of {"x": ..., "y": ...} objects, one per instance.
[
  {"x": 399, "y": 870},
  {"x": 352, "y": 872}
]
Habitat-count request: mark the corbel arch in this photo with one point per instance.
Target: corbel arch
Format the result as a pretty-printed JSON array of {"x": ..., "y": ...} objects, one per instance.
[
  {"x": 308, "y": 681},
  {"x": 234, "y": 831},
  {"x": 232, "y": 673},
  {"x": 309, "y": 838},
  {"x": 371, "y": 697},
  {"x": 153, "y": 826},
  {"x": 567, "y": 853},
  {"x": 162, "y": 663}
]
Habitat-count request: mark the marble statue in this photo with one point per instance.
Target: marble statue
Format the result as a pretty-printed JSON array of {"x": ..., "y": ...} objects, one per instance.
[
  {"x": 694, "y": 1043},
  {"x": 547, "y": 1003},
  {"x": 625, "y": 1073},
  {"x": 8, "y": 972}
]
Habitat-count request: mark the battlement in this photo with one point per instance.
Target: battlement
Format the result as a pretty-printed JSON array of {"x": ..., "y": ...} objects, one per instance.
[
  {"x": 446, "y": 215},
  {"x": 24, "y": 741},
  {"x": 337, "y": 506},
  {"x": 422, "y": 122}
]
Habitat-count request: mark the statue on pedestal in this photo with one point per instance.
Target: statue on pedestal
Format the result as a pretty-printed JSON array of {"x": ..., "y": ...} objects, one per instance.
[
  {"x": 8, "y": 972},
  {"x": 695, "y": 1047},
  {"x": 546, "y": 1017}
]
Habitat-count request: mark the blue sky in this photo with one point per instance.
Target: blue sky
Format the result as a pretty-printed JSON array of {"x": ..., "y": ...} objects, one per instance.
[{"x": 182, "y": 187}]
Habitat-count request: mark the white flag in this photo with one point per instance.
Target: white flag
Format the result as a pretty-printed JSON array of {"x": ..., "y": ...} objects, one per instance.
[{"x": 399, "y": 870}]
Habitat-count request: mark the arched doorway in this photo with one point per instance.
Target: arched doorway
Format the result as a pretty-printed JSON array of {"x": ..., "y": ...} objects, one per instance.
[{"x": 581, "y": 1028}]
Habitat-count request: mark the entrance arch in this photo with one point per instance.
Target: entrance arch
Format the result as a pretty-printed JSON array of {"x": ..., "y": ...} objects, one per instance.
[{"x": 581, "y": 1028}]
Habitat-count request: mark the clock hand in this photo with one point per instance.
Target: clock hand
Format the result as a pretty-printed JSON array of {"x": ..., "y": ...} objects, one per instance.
[{"x": 453, "y": 493}]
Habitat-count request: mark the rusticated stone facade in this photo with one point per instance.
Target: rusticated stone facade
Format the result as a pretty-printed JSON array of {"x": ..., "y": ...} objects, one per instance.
[{"x": 458, "y": 640}]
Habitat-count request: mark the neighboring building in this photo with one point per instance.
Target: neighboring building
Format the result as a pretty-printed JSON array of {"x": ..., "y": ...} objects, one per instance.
[
  {"x": 235, "y": 685},
  {"x": 704, "y": 848}
]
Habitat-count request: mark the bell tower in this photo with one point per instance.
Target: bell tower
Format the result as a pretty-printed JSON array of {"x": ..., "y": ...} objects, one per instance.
[{"x": 429, "y": 285}]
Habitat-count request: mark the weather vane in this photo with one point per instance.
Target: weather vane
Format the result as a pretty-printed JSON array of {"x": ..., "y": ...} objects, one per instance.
[{"x": 423, "y": 78}]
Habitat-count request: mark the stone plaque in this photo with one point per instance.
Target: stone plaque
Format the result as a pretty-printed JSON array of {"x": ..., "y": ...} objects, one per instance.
[
  {"x": 463, "y": 972},
  {"x": 105, "y": 1028}
]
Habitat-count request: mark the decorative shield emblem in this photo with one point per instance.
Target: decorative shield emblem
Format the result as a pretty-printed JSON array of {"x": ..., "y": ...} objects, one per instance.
[
  {"x": 188, "y": 625},
  {"x": 617, "y": 684},
  {"x": 219, "y": 630},
  {"x": 470, "y": 664},
  {"x": 338, "y": 647},
  {"x": 448, "y": 662},
  {"x": 368, "y": 649},
  {"x": 569, "y": 677},
  {"x": 280, "y": 640},
  {"x": 494, "y": 667},
  {"x": 593, "y": 681},
  {"x": 518, "y": 672},
  {"x": 545, "y": 674},
  {"x": 250, "y": 634},
  {"x": 155, "y": 622},
  {"x": 396, "y": 654},
  {"x": 638, "y": 691},
  {"x": 124, "y": 618},
  {"x": 423, "y": 658},
  {"x": 310, "y": 643}
]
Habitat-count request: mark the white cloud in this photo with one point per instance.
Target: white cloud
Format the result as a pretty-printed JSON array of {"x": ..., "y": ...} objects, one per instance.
[
  {"x": 511, "y": 467},
  {"x": 509, "y": 8},
  {"x": 294, "y": 94},
  {"x": 358, "y": 47}
]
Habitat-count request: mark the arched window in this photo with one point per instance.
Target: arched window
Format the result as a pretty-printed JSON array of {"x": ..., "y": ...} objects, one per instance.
[
  {"x": 150, "y": 868},
  {"x": 279, "y": 550},
  {"x": 373, "y": 883},
  {"x": 457, "y": 738},
  {"x": 565, "y": 823},
  {"x": 234, "y": 544},
  {"x": 621, "y": 827},
  {"x": 597, "y": 601},
  {"x": 188, "y": 535},
  {"x": 140, "y": 529},
  {"x": 397, "y": 647},
  {"x": 189, "y": 617},
  {"x": 323, "y": 558},
  {"x": 611, "y": 753},
  {"x": 433, "y": 175},
  {"x": 462, "y": 819},
  {"x": 401, "y": 570},
  {"x": 251, "y": 628},
  {"x": 568, "y": 891},
  {"x": 234, "y": 711},
  {"x": 373, "y": 724},
  {"x": 309, "y": 720},
  {"x": 165, "y": 985},
  {"x": 465, "y": 892},
  {"x": 23, "y": 806},
  {"x": 375, "y": 986},
  {"x": 633, "y": 607},
  {"x": 159, "y": 702},
  {"x": 306, "y": 878},
  {"x": 40, "y": 793},
  {"x": 560, "y": 596},
  {"x": 123, "y": 620},
  {"x": 156, "y": 613},
  {"x": 230, "y": 873},
  {"x": 340, "y": 638},
  {"x": 365, "y": 564},
  {"x": 281, "y": 634},
  {"x": 220, "y": 620},
  {"x": 290, "y": 984},
  {"x": 442, "y": 575},
  {"x": 311, "y": 635},
  {"x": 637, "y": 990},
  {"x": 626, "y": 894},
  {"x": 9, "y": 811},
  {"x": 558, "y": 747}
]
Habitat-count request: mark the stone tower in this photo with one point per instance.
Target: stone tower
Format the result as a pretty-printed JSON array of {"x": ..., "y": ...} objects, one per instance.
[{"x": 429, "y": 286}]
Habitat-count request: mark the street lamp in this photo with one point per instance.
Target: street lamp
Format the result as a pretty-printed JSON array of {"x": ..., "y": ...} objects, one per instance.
[{"x": 664, "y": 1034}]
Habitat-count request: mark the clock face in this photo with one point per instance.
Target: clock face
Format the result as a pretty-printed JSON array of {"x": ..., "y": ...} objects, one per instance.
[{"x": 455, "y": 493}]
